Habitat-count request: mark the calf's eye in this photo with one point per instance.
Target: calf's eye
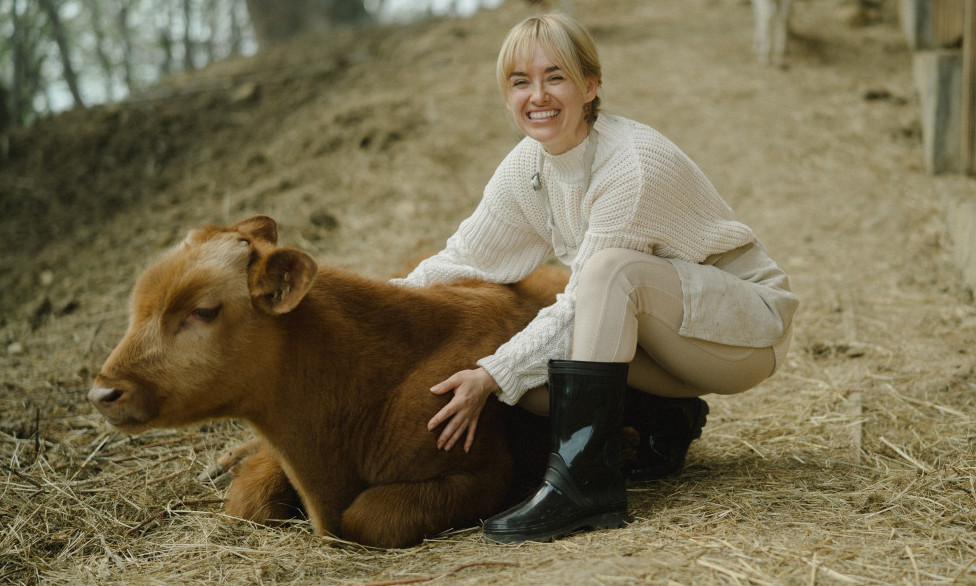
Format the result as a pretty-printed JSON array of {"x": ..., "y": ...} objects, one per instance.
[{"x": 205, "y": 314}]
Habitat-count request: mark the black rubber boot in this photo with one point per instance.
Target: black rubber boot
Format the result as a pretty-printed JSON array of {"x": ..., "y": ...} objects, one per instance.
[
  {"x": 666, "y": 427},
  {"x": 583, "y": 486}
]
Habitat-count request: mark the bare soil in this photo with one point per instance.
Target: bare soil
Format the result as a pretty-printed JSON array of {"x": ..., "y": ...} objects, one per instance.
[{"x": 854, "y": 464}]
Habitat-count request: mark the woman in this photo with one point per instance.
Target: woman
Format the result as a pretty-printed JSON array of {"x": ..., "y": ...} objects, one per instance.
[{"x": 669, "y": 298}]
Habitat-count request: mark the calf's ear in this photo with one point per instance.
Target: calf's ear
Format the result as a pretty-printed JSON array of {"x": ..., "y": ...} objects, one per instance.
[
  {"x": 279, "y": 281},
  {"x": 259, "y": 228}
]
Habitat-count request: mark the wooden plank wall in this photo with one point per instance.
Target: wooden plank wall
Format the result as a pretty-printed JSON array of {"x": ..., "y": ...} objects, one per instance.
[
  {"x": 941, "y": 33},
  {"x": 968, "y": 147}
]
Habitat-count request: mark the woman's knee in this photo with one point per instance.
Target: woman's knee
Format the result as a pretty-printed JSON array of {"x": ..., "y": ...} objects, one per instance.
[
  {"x": 623, "y": 269},
  {"x": 606, "y": 263}
]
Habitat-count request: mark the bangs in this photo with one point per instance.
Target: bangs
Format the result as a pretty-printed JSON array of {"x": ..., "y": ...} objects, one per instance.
[{"x": 519, "y": 49}]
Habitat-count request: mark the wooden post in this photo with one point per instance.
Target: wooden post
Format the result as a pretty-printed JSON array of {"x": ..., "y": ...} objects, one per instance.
[
  {"x": 932, "y": 24},
  {"x": 968, "y": 147},
  {"x": 947, "y": 22}
]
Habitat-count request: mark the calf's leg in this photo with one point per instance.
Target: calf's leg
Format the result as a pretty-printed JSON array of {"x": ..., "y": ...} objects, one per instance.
[
  {"x": 261, "y": 492},
  {"x": 233, "y": 456},
  {"x": 402, "y": 514}
]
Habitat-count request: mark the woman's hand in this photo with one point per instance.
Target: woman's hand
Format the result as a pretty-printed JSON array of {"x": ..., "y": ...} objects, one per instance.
[{"x": 471, "y": 389}]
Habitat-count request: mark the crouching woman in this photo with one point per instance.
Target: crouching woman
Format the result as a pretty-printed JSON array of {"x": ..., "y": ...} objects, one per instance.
[{"x": 670, "y": 296}]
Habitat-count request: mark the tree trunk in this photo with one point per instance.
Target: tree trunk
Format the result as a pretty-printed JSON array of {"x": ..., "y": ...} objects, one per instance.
[
  {"x": 28, "y": 59},
  {"x": 6, "y": 119},
  {"x": 236, "y": 36},
  {"x": 108, "y": 69},
  {"x": 209, "y": 12},
  {"x": 17, "y": 87},
  {"x": 277, "y": 20},
  {"x": 166, "y": 43},
  {"x": 64, "y": 48},
  {"x": 122, "y": 18},
  {"x": 348, "y": 12},
  {"x": 188, "y": 64}
]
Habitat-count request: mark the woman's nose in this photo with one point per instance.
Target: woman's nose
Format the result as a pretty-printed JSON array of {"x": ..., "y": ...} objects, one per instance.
[{"x": 539, "y": 93}]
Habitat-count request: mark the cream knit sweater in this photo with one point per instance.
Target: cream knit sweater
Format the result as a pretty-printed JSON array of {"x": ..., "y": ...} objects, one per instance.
[{"x": 643, "y": 194}]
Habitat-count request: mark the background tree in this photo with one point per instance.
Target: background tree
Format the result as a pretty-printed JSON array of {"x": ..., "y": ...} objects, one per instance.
[
  {"x": 101, "y": 50},
  {"x": 66, "y": 53},
  {"x": 23, "y": 59},
  {"x": 64, "y": 48},
  {"x": 121, "y": 8},
  {"x": 277, "y": 20}
]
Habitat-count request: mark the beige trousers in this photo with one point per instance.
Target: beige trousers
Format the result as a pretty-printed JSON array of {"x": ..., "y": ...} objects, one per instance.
[{"x": 629, "y": 309}]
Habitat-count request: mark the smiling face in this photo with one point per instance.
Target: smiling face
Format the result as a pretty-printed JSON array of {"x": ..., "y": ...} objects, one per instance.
[{"x": 547, "y": 105}]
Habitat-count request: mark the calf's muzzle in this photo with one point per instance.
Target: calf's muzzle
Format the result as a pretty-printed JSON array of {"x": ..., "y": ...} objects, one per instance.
[{"x": 121, "y": 407}]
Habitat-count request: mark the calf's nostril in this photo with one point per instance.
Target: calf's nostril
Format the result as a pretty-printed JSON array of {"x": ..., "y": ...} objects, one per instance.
[{"x": 104, "y": 396}]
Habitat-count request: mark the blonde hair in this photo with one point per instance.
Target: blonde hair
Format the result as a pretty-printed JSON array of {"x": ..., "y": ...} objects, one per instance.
[{"x": 564, "y": 41}]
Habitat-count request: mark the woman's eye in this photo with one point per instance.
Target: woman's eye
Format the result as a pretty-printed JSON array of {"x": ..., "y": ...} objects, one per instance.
[{"x": 205, "y": 314}]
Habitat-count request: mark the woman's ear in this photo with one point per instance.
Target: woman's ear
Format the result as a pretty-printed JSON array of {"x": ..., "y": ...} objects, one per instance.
[{"x": 592, "y": 85}]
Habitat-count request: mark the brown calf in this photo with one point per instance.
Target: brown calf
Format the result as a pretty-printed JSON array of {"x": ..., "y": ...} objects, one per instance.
[{"x": 331, "y": 369}]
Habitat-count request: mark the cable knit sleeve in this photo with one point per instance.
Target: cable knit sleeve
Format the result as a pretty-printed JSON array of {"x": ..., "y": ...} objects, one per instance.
[{"x": 497, "y": 243}]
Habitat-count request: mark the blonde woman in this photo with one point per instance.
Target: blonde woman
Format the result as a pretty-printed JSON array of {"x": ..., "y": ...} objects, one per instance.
[{"x": 670, "y": 297}]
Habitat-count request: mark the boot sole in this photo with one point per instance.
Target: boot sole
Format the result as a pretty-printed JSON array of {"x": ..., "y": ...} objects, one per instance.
[{"x": 612, "y": 520}]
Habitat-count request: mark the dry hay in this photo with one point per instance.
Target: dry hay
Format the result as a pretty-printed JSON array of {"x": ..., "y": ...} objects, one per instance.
[
  {"x": 779, "y": 498},
  {"x": 854, "y": 464}
]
